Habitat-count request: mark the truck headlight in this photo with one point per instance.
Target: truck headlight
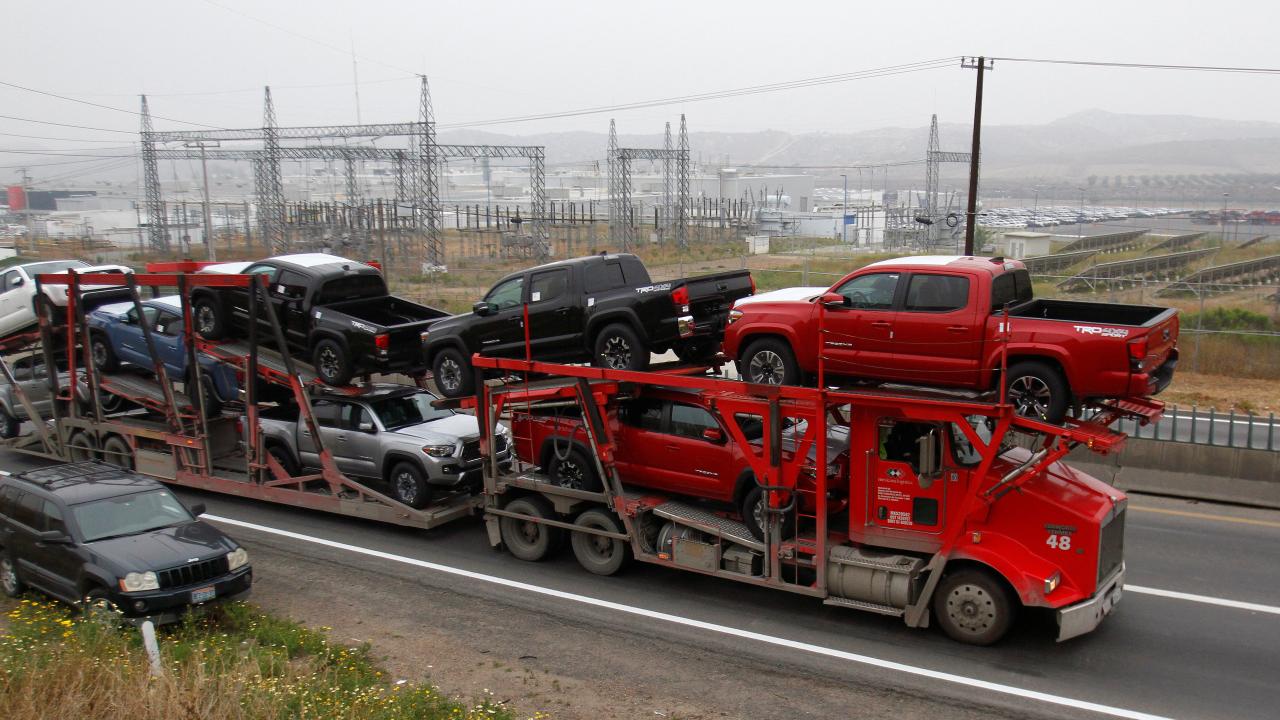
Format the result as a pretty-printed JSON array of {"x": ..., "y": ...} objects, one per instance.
[
  {"x": 440, "y": 451},
  {"x": 734, "y": 316},
  {"x": 137, "y": 582},
  {"x": 237, "y": 559},
  {"x": 1051, "y": 583}
]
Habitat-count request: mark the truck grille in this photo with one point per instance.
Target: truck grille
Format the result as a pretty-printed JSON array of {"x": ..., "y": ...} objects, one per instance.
[
  {"x": 471, "y": 448},
  {"x": 1111, "y": 546},
  {"x": 192, "y": 573}
]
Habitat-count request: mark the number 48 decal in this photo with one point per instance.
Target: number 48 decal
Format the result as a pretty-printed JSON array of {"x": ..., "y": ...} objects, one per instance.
[{"x": 1060, "y": 542}]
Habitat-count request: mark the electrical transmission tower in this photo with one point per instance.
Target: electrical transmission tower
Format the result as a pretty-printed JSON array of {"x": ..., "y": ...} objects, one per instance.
[
  {"x": 426, "y": 180},
  {"x": 931, "y": 210},
  {"x": 157, "y": 230},
  {"x": 621, "y": 224}
]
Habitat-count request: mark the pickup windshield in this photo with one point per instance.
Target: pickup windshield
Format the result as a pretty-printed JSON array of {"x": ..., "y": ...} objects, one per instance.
[
  {"x": 355, "y": 287},
  {"x": 129, "y": 514},
  {"x": 406, "y": 410},
  {"x": 53, "y": 266}
]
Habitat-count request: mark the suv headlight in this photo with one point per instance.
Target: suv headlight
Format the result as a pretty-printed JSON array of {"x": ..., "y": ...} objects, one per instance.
[
  {"x": 237, "y": 559},
  {"x": 137, "y": 582},
  {"x": 440, "y": 451}
]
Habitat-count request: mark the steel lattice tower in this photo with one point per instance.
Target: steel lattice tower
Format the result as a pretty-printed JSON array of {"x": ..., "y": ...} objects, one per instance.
[
  {"x": 270, "y": 184},
  {"x": 667, "y": 180},
  {"x": 157, "y": 228},
  {"x": 682, "y": 186},
  {"x": 426, "y": 181},
  {"x": 538, "y": 204},
  {"x": 353, "y": 186},
  {"x": 929, "y": 208},
  {"x": 618, "y": 221}
]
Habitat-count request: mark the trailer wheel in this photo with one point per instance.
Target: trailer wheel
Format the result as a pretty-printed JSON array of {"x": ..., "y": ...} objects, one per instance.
[
  {"x": 103, "y": 355},
  {"x": 599, "y": 554},
  {"x": 9, "y": 425},
  {"x": 453, "y": 374},
  {"x": 1037, "y": 390},
  {"x": 332, "y": 362},
  {"x": 973, "y": 606},
  {"x": 528, "y": 540},
  {"x": 755, "y": 515},
  {"x": 207, "y": 316},
  {"x": 618, "y": 347},
  {"x": 116, "y": 451},
  {"x": 81, "y": 448},
  {"x": 9, "y": 580},
  {"x": 408, "y": 485},
  {"x": 769, "y": 361},
  {"x": 574, "y": 471}
]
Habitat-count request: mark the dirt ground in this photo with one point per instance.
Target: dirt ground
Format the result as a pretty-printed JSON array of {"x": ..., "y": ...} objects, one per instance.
[{"x": 1224, "y": 393}]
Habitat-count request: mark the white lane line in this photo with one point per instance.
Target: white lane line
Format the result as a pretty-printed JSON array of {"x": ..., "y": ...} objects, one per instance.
[
  {"x": 1206, "y": 599},
  {"x": 712, "y": 627}
]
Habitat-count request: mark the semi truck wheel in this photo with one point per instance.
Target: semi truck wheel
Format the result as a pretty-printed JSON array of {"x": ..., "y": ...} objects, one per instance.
[
  {"x": 1037, "y": 390},
  {"x": 332, "y": 362},
  {"x": 81, "y": 448},
  {"x": 575, "y": 471},
  {"x": 103, "y": 355},
  {"x": 618, "y": 347},
  {"x": 408, "y": 486},
  {"x": 453, "y": 374},
  {"x": 208, "y": 318},
  {"x": 115, "y": 451},
  {"x": 973, "y": 606},
  {"x": 599, "y": 554},
  {"x": 769, "y": 361},
  {"x": 527, "y": 540}
]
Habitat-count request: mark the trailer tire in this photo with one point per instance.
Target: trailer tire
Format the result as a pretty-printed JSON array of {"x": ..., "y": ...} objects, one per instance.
[
  {"x": 208, "y": 317},
  {"x": 81, "y": 447},
  {"x": 1037, "y": 390},
  {"x": 769, "y": 361},
  {"x": 618, "y": 347},
  {"x": 753, "y": 514},
  {"x": 527, "y": 540},
  {"x": 103, "y": 355},
  {"x": 284, "y": 458},
  {"x": 332, "y": 362},
  {"x": 408, "y": 486},
  {"x": 453, "y": 373},
  {"x": 973, "y": 606},
  {"x": 599, "y": 554},
  {"x": 116, "y": 451},
  {"x": 574, "y": 471},
  {"x": 9, "y": 425},
  {"x": 9, "y": 580}
]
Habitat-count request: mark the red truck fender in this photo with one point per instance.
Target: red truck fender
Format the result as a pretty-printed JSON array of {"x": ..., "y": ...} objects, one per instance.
[
  {"x": 1024, "y": 570},
  {"x": 1051, "y": 354},
  {"x": 801, "y": 351}
]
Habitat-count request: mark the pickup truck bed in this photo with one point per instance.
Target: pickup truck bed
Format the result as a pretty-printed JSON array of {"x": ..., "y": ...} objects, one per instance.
[{"x": 1093, "y": 312}]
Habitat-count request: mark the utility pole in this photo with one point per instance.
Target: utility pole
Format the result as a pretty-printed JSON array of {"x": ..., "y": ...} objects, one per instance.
[
  {"x": 844, "y": 212},
  {"x": 981, "y": 64},
  {"x": 208, "y": 209}
]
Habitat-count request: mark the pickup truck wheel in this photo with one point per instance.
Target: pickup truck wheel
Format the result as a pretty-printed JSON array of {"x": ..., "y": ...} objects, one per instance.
[
  {"x": 408, "y": 486},
  {"x": 9, "y": 425},
  {"x": 756, "y": 516},
  {"x": 284, "y": 459},
  {"x": 599, "y": 554},
  {"x": 973, "y": 607},
  {"x": 769, "y": 362},
  {"x": 1036, "y": 390},
  {"x": 529, "y": 541},
  {"x": 210, "y": 321},
  {"x": 453, "y": 374},
  {"x": 332, "y": 363},
  {"x": 115, "y": 451},
  {"x": 574, "y": 471},
  {"x": 9, "y": 581},
  {"x": 212, "y": 402},
  {"x": 103, "y": 355},
  {"x": 110, "y": 403},
  {"x": 619, "y": 348}
]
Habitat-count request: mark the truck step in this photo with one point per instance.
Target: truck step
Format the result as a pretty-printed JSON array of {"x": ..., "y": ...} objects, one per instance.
[
  {"x": 866, "y": 606},
  {"x": 710, "y": 523}
]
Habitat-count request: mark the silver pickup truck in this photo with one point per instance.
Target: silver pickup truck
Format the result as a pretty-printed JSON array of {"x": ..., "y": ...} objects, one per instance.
[{"x": 389, "y": 433}]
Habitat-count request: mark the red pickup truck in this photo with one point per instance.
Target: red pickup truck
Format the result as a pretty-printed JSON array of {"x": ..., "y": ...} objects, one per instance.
[
  {"x": 672, "y": 441},
  {"x": 939, "y": 320}
]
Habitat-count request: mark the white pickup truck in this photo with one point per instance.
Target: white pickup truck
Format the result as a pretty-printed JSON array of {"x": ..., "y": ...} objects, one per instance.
[{"x": 18, "y": 291}]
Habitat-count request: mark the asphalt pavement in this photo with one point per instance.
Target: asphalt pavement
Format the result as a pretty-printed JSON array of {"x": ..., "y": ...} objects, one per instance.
[{"x": 1157, "y": 656}]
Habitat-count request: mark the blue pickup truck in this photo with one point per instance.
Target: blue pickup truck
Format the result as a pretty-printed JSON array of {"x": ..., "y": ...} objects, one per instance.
[{"x": 115, "y": 337}]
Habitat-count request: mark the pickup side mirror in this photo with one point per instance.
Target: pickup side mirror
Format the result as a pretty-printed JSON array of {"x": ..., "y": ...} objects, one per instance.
[
  {"x": 483, "y": 309},
  {"x": 198, "y": 509},
  {"x": 366, "y": 426},
  {"x": 712, "y": 435},
  {"x": 834, "y": 300},
  {"x": 53, "y": 537},
  {"x": 19, "y": 281}
]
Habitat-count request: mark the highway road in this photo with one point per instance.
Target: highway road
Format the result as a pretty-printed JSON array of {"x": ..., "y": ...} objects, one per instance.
[{"x": 1197, "y": 634}]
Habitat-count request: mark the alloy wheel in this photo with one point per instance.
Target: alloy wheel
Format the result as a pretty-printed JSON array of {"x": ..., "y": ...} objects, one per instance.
[
  {"x": 617, "y": 353},
  {"x": 450, "y": 376},
  {"x": 1031, "y": 396},
  {"x": 766, "y": 368},
  {"x": 8, "y": 576},
  {"x": 406, "y": 488}
]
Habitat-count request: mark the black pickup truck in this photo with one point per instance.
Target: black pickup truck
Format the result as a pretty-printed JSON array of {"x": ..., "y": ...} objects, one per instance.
[
  {"x": 335, "y": 313},
  {"x": 602, "y": 308}
]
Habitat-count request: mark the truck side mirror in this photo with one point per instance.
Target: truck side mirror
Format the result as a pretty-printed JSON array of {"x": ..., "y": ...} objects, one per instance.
[
  {"x": 366, "y": 426},
  {"x": 834, "y": 300},
  {"x": 53, "y": 537},
  {"x": 17, "y": 281},
  {"x": 483, "y": 309},
  {"x": 197, "y": 509},
  {"x": 927, "y": 452},
  {"x": 712, "y": 435}
]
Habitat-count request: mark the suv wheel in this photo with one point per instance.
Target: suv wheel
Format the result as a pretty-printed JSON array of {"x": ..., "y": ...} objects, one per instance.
[
  {"x": 332, "y": 362},
  {"x": 9, "y": 581},
  {"x": 453, "y": 374},
  {"x": 408, "y": 486},
  {"x": 619, "y": 348}
]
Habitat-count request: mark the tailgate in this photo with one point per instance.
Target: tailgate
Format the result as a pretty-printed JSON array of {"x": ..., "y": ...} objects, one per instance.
[
  {"x": 1162, "y": 338},
  {"x": 714, "y": 294}
]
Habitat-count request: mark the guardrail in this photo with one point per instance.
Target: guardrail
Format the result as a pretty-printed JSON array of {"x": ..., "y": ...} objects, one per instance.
[{"x": 1197, "y": 426}]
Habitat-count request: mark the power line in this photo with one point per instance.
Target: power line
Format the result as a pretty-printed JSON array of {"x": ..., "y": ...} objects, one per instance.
[
  {"x": 1145, "y": 66},
  {"x": 98, "y": 158},
  {"x": 45, "y": 137},
  {"x": 78, "y": 127},
  {"x": 68, "y": 152},
  {"x": 97, "y": 105}
]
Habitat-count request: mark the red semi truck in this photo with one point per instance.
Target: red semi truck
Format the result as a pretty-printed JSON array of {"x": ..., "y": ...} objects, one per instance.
[{"x": 946, "y": 321}]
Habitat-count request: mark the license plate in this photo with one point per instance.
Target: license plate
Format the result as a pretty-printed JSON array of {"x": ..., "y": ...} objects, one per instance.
[{"x": 204, "y": 594}]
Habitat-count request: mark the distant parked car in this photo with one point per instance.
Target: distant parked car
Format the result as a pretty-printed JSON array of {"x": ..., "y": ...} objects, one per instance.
[
  {"x": 18, "y": 302},
  {"x": 116, "y": 336},
  {"x": 87, "y": 532}
]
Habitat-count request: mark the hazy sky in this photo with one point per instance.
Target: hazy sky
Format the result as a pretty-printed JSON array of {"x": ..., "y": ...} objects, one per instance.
[{"x": 206, "y": 60}]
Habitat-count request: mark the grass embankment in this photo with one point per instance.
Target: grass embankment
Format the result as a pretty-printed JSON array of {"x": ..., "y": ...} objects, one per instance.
[{"x": 228, "y": 662}]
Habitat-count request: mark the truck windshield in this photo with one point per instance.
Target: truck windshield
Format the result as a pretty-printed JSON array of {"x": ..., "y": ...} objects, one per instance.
[
  {"x": 406, "y": 410},
  {"x": 129, "y": 514},
  {"x": 355, "y": 287},
  {"x": 963, "y": 451},
  {"x": 53, "y": 266}
]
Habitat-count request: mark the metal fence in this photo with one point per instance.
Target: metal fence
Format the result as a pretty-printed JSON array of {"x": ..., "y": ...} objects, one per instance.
[{"x": 1209, "y": 427}]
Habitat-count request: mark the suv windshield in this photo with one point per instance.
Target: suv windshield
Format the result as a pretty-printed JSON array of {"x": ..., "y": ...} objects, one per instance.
[
  {"x": 406, "y": 410},
  {"x": 355, "y": 287},
  {"x": 129, "y": 514}
]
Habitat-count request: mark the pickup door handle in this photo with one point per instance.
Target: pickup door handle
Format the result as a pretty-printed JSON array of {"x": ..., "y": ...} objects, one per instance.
[
  {"x": 342, "y": 438},
  {"x": 563, "y": 310},
  {"x": 881, "y": 324},
  {"x": 957, "y": 328},
  {"x": 673, "y": 448},
  {"x": 305, "y": 432}
]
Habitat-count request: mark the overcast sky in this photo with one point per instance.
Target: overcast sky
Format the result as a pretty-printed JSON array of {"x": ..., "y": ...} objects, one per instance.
[{"x": 206, "y": 60}]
